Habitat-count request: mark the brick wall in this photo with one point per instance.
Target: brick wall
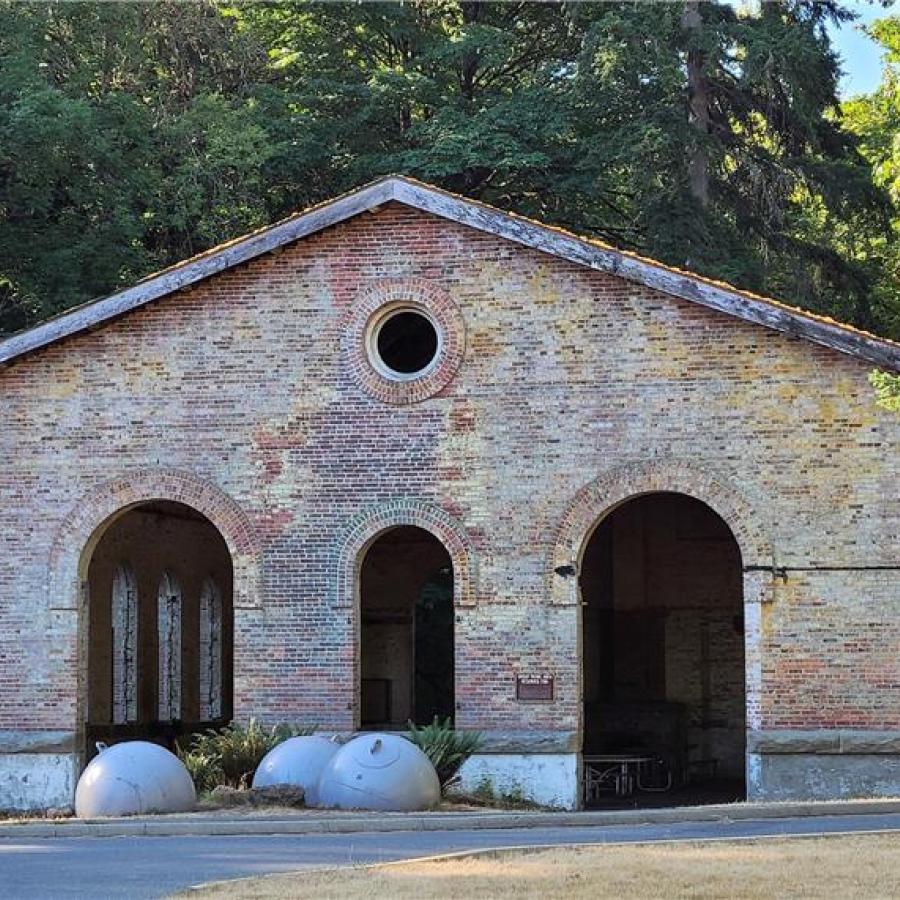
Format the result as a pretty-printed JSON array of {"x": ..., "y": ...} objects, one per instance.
[{"x": 247, "y": 383}]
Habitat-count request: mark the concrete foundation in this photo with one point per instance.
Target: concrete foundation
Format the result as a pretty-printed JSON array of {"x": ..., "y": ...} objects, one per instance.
[
  {"x": 550, "y": 779},
  {"x": 819, "y": 777},
  {"x": 823, "y": 764},
  {"x": 37, "y": 781}
]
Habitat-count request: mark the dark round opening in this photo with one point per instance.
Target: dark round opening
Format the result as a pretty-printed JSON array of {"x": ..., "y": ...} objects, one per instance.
[{"x": 407, "y": 342}]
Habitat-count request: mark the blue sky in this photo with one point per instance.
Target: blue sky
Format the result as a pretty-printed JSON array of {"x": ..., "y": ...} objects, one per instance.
[{"x": 860, "y": 54}]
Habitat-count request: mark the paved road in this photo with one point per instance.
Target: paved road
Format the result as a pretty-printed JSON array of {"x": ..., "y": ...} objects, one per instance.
[{"x": 157, "y": 866}]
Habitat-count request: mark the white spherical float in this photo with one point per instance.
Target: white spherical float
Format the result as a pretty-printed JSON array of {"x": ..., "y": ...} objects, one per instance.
[
  {"x": 381, "y": 772},
  {"x": 133, "y": 778},
  {"x": 297, "y": 761}
]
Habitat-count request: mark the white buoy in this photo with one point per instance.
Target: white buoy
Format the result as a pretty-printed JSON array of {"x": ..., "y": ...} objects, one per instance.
[
  {"x": 297, "y": 761},
  {"x": 382, "y": 772},
  {"x": 133, "y": 778}
]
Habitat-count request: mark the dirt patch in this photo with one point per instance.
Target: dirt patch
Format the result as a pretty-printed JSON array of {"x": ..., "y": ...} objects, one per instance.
[
  {"x": 276, "y": 795},
  {"x": 212, "y": 807},
  {"x": 8, "y": 817}
]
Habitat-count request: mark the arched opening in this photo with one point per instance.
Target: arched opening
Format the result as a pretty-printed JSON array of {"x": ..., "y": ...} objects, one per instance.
[
  {"x": 159, "y": 626},
  {"x": 406, "y": 630},
  {"x": 663, "y": 654}
]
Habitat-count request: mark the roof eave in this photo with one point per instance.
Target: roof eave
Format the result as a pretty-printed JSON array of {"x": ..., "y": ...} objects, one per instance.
[
  {"x": 531, "y": 234},
  {"x": 97, "y": 312},
  {"x": 658, "y": 277}
]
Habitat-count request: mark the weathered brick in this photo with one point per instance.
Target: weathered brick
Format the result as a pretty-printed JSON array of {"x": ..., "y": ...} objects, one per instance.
[{"x": 564, "y": 392}]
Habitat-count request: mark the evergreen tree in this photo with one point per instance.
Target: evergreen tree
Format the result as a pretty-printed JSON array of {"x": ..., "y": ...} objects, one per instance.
[
  {"x": 729, "y": 133},
  {"x": 135, "y": 135}
]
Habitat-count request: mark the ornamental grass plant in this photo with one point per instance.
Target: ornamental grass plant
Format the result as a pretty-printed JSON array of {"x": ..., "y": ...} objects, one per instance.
[
  {"x": 230, "y": 755},
  {"x": 446, "y": 747}
]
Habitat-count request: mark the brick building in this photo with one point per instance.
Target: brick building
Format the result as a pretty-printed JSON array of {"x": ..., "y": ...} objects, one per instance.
[{"x": 405, "y": 455}]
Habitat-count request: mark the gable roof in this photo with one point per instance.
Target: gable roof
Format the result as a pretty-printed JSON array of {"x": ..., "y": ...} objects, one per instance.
[{"x": 584, "y": 251}]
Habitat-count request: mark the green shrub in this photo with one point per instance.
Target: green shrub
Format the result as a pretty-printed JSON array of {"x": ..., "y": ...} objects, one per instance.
[
  {"x": 203, "y": 767},
  {"x": 447, "y": 748},
  {"x": 230, "y": 756}
]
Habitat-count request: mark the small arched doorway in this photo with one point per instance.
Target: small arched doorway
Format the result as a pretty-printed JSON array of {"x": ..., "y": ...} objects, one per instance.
[
  {"x": 159, "y": 626},
  {"x": 663, "y": 648},
  {"x": 406, "y": 643}
]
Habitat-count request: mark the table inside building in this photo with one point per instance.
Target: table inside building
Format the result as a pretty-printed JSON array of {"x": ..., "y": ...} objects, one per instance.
[{"x": 622, "y": 773}]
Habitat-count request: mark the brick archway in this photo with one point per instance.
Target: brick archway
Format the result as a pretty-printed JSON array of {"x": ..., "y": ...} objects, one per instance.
[
  {"x": 598, "y": 498},
  {"x": 363, "y": 531},
  {"x": 370, "y": 524},
  {"x": 750, "y": 529},
  {"x": 82, "y": 528}
]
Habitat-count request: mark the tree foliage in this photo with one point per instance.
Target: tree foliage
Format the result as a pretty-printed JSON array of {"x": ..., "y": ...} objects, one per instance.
[
  {"x": 129, "y": 138},
  {"x": 875, "y": 120},
  {"x": 887, "y": 389},
  {"x": 132, "y": 135}
]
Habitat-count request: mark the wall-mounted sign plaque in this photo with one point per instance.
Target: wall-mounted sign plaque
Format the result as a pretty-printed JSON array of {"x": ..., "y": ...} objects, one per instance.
[{"x": 535, "y": 689}]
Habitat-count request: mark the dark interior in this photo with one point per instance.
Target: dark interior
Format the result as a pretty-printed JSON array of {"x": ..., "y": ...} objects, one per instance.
[
  {"x": 661, "y": 583},
  {"x": 153, "y": 548},
  {"x": 406, "y": 635},
  {"x": 407, "y": 342}
]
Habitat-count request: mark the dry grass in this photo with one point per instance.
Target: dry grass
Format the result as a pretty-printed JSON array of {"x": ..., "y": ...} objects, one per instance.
[{"x": 866, "y": 866}]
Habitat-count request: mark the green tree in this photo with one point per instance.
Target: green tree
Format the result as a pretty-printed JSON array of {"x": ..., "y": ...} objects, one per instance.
[
  {"x": 704, "y": 137},
  {"x": 129, "y": 138},
  {"x": 875, "y": 119},
  {"x": 734, "y": 128},
  {"x": 465, "y": 94},
  {"x": 134, "y": 135},
  {"x": 887, "y": 389}
]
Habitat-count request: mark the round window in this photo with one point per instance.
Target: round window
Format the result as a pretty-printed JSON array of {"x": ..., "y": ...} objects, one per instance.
[
  {"x": 406, "y": 343},
  {"x": 403, "y": 339}
]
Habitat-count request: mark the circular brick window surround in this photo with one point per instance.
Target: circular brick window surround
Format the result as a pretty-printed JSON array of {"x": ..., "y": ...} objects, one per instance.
[{"x": 404, "y": 341}]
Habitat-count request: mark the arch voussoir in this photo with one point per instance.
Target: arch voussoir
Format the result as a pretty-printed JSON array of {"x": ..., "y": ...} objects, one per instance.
[
  {"x": 599, "y": 497},
  {"x": 372, "y": 522},
  {"x": 80, "y": 529}
]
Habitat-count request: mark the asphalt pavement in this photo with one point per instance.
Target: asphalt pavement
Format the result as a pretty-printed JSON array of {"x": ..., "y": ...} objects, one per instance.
[{"x": 144, "y": 867}]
